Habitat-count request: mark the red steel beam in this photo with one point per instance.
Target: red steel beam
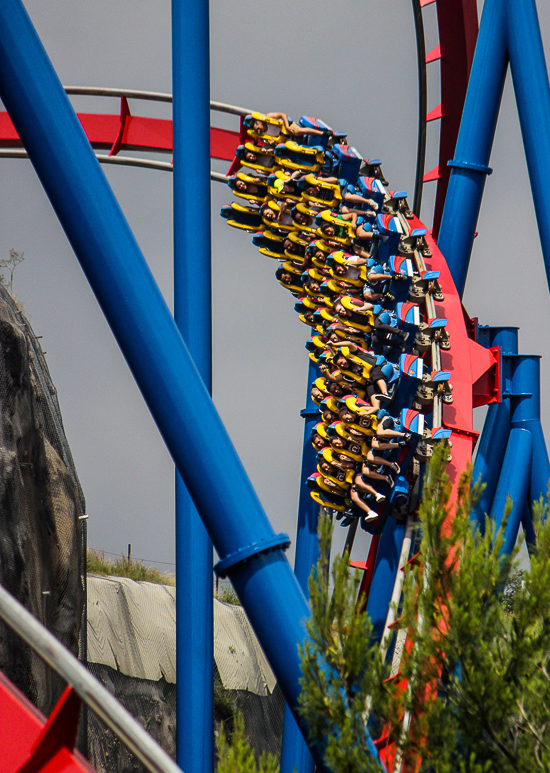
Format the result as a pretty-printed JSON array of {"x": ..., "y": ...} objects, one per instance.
[
  {"x": 145, "y": 134},
  {"x": 458, "y": 28}
]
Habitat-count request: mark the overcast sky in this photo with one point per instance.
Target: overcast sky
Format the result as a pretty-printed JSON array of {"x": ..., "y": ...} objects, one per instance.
[{"x": 351, "y": 63}]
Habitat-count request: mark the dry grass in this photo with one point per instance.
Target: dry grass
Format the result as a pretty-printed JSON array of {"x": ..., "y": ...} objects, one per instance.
[{"x": 121, "y": 567}]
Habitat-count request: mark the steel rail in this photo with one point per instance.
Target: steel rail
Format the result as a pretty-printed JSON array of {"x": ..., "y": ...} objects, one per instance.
[
  {"x": 153, "y": 96},
  {"x": 121, "y": 161},
  {"x": 87, "y": 687}
]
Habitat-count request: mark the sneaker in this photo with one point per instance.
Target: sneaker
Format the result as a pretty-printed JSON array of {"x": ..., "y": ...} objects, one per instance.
[
  {"x": 370, "y": 516},
  {"x": 382, "y": 397},
  {"x": 389, "y": 481},
  {"x": 380, "y": 497},
  {"x": 395, "y": 467}
]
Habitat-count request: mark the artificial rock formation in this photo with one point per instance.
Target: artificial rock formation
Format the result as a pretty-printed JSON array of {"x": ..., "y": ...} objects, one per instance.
[{"x": 41, "y": 540}]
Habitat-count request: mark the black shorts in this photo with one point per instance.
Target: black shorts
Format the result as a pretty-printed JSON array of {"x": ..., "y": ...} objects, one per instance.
[{"x": 376, "y": 374}]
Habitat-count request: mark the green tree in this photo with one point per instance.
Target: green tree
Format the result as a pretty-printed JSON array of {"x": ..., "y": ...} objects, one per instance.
[{"x": 476, "y": 665}]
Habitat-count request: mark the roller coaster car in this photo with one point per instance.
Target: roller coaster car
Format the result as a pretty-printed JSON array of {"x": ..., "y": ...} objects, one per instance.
[
  {"x": 306, "y": 316},
  {"x": 347, "y": 335},
  {"x": 400, "y": 265},
  {"x": 288, "y": 270},
  {"x": 432, "y": 331},
  {"x": 292, "y": 155},
  {"x": 325, "y": 316},
  {"x": 315, "y": 345},
  {"x": 316, "y": 190},
  {"x": 239, "y": 183},
  {"x": 412, "y": 421},
  {"x": 333, "y": 228},
  {"x": 276, "y": 183},
  {"x": 412, "y": 366},
  {"x": 435, "y": 382},
  {"x": 337, "y": 475},
  {"x": 255, "y": 157},
  {"x": 327, "y": 454},
  {"x": 275, "y": 130},
  {"x": 362, "y": 357},
  {"x": 424, "y": 449},
  {"x": 321, "y": 429},
  {"x": 320, "y": 384},
  {"x": 308, "y": 122},
  {"x": 359, "y": 317},
  {"x": 346, "y": 162},
  {"x": 344, "y": 443},
  {"x": 372, "y": 167},
  {"x": 342, "y": 270},
  {"x": 324, "y": 496},
  {"x": 303, "y": 218},
  {"x": 270, "y": 212},
  {"x": 408, "y": 314},
  {"x": 269, "y": 243},
  {"x": 244, "y": 218},
  {"x": 366, "y": 425},
  {"x": 371, "y": 188}
]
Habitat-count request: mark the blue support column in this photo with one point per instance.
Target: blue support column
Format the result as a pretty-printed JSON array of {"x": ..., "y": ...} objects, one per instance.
[
  {"x": 526, "y": 415},
  {"x": 295, "y": 754},
  {"x": 475, "y": 140},
  {"x": 385, "y": 570},
  {"x": 192, "y": 311},
  {"x": 252, "y": 554},
  {"x": 514, "y": 482},
  {"x": 152, "y": 345},
  {"x": 494, "y": 437},
  {"x": 532, "y": 89}
]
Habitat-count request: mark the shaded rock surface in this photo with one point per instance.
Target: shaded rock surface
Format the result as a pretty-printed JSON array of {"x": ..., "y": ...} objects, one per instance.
[{"x": 41, "y": 540}]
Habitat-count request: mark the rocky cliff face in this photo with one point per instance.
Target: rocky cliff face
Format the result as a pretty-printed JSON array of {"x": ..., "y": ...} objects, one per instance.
[{"x": 41, "y": 555}]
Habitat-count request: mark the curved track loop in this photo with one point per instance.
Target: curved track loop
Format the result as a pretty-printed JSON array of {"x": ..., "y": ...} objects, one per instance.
[{"x": 112, "y": 132}]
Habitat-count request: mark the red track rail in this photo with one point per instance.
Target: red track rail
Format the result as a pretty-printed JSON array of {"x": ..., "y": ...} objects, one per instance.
[
  {"x": 128, "y": 132},
  {"x": 29, "y": 743}
]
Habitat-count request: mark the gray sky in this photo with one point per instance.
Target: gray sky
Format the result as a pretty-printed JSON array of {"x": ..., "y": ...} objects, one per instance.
[{"x": 353, "y": 65}]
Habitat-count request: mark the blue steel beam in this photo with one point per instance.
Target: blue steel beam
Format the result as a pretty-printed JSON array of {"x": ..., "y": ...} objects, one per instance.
[
  {"x": 385, "y": 570},
  {"x": 152, "y": 345},
  {"x": 295, "y": 754},
  {"x": 526, "y": 415},
  {"x": 494, "y": 437},
  {"x": 192, "y": 313},
  {"x": 514, "y": 483},
  {"x": 475, "y": 140},
  {"x": 251, "y": 554},
  {"x": 532, "y": 89}
]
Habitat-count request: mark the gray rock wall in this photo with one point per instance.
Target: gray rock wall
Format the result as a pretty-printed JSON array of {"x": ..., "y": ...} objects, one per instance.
[{"x": 41, "y": 550}]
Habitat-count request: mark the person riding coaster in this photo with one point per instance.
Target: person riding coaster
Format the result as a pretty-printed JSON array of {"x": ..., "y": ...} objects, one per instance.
[
  {"x": 275, "y": 214},
  {"x": 324, "y": 496},
  {"x": 265, "y": 126},
  {"x": 284, "y": 185},
  {"x": 245, "y": 186},
  {"x": 316, "y": 190},
  {"x": 290, "y": 278},
  {"x": 256, "y": 157},
  {"x": 303, "y": 218},
  {"x": 295, "y": 248},
  {"x": 344, "y": 444},
  {"x": 334, "y": 228}
]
